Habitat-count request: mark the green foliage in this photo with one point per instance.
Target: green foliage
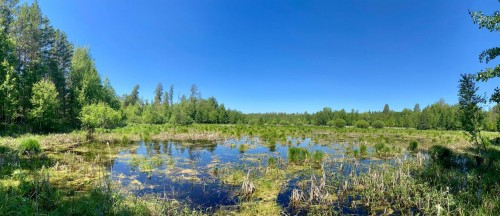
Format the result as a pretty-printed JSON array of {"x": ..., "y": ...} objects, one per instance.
[
  {"x": 29, "y": 146},
  {"x": 99, "y": 116},
  {"x": 490, "y": 22},
  {"x": 338, "y": 123},
  {"x": 318, "y": 156},
  {"x": 471, "y": 114},
  {"x": 378, "y": 124},
  {"x": 362, "y": 124},
  {"x": 180, "y": 117},
  {"x": 379, "y": 147},
  {"x": 45, "y": 102},
  {"x": 297, "y": 155},
  {"x": 413, "y": 146},
  {"x": 363, "y": 150}
]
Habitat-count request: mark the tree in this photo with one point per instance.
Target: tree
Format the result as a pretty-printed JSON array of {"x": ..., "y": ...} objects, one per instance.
[
  {"x": 195, "y": 94},
  {"x": 99, "y": 115},
  {"x": 416, "y": 108},
  {"x": 492, "y": 23},
  {"x": 158, "y": 94},
  {"x": 171, "y": 95},
  {"x": 84, "y": 81},
  {"x": 133, "y": 98},
  {"x": 45, "y": 105},
  {"x": 8, "y": 92},
  {"x": 7, "y": 10},
  {"x": 8, "y": 80},
  {"x": 471, "y": 114},
  {"x": 386, "y": 109}
]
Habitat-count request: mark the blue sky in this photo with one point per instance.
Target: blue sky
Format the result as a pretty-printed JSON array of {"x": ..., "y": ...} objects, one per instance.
[{"x": 287, "y": 56}]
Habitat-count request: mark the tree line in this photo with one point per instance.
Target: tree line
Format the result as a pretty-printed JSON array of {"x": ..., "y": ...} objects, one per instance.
[{"x": 47, "y": 85}]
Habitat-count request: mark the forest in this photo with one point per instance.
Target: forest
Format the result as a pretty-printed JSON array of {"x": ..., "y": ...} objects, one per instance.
[{"x": 47, "y": 83}]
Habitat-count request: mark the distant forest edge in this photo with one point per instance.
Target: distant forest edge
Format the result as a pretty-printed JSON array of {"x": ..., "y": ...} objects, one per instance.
[{"x": 48, "y": 85}]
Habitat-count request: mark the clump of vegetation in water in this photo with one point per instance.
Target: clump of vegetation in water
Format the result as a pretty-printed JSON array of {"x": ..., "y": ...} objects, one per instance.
[
  {"x": 363, "y": 150},
  {"x": 243, "y": 148},
  {"x": 413, "y": 146},
  {"x": 297, "y": 155},
  {"x": 318, "y": 157},
  {"x": 29, "y": 146}
]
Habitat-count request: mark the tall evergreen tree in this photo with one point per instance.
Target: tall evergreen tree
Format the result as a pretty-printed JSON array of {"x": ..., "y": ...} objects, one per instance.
[{"x": 158, "y": 94}]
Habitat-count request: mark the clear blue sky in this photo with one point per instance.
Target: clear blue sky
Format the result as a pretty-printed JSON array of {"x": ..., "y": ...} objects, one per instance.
[{"x": 289, "y": 56}]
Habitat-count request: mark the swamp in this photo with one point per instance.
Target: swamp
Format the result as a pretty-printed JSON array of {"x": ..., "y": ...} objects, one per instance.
[{"x": 249, "y": 170}]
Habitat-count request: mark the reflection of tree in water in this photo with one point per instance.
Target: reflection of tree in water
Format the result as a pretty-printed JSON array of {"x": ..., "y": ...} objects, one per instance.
[
  {"x": 157, "y": 147},
  {"x": 167, "y": 148}
]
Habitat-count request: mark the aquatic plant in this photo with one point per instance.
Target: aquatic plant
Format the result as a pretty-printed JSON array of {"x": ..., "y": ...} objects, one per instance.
[
  {"x": 413, "y": 146},
  {"x": 297, "y": 155},
  {"x": 29, "y": 146},
  {"x": 318, "y": 157},
  {"x": 247, "y": 188},
  {"x": 363, "y": 150}
]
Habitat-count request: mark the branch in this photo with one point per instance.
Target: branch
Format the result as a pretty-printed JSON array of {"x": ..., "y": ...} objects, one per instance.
[
  {"x": 490, "y": 22},
  {"x": 488, "y": 73},
  {"x": 489, "y": 54}
]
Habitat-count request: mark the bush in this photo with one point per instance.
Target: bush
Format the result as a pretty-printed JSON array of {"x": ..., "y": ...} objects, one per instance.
[
  {"x": 413, "y": 146},
  {"x": 338, "y": 123},
  {"x": 362, "y": 124},
  {"x": 442, "y": 155},
  {"x": 29, "y": 147},
  {"x": 378, "y": 124}
]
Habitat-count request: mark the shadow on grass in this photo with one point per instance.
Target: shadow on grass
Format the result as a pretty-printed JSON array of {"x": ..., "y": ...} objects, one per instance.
[
  {"x": 473, "y": 182},
  {"x": 25, "y": 189}
]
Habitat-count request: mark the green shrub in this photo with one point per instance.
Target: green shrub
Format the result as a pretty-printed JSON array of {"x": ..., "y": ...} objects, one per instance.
[
  {"x": 413, "y": 147},
  {"x": 378, "y": 124},
  {"x": 362, "y": 124},
  {"x": 442, "y": 155},
  {"x": 29, "y": 147},
  {"x": 338, "y": 123}
]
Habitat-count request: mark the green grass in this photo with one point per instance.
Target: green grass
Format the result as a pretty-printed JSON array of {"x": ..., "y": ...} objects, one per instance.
[{"x": 298, "y": 155}]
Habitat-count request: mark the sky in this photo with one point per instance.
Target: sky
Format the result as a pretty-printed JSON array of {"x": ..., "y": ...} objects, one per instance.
[{"x": 284, "y": 56}]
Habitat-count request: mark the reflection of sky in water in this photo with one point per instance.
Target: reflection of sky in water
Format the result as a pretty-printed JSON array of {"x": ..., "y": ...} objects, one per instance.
[{"x": 185, "y": 171}]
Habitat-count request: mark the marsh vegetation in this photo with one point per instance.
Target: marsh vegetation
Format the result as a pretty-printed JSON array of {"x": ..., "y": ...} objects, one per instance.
[{"x": 221, "y": 169}]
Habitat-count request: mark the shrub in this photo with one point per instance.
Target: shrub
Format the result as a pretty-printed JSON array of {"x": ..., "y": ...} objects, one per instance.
[
  {"x": 442, "y": 155},
  {"x": 29, "y": 147},
  {"x": 362, "y": 124},
  {"x": 378, "y": 124},
  {"x": 413, "y": 146},
  {"x": 338, "y": 123}
]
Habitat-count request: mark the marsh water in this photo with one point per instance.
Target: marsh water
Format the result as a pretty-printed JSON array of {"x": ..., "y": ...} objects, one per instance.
[{"x": 189, "y": 172}]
